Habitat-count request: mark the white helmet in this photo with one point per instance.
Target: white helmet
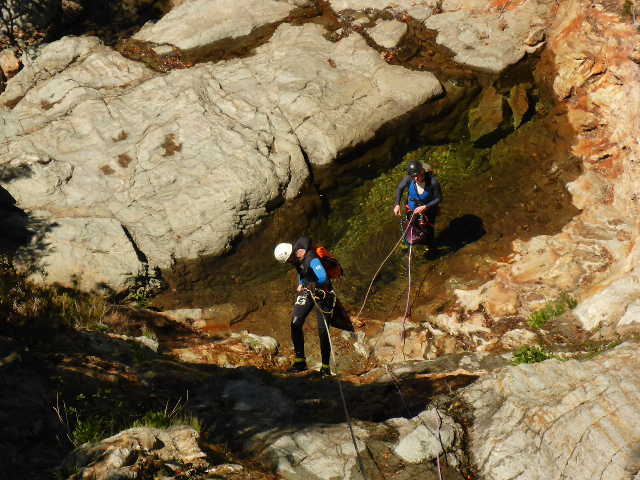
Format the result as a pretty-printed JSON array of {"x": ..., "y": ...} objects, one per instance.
[{"x": 282, "y": 252}]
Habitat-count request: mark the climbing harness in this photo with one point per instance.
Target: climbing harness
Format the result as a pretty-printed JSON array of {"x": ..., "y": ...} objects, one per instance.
[{"x": 344, "y": 402}]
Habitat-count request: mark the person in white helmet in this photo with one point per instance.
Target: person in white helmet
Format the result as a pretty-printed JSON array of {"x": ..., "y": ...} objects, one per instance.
[{"x": 314, "y": 288}]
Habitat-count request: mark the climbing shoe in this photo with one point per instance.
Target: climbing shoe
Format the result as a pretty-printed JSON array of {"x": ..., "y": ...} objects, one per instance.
[
  {"x": 299, "y": 365},
  {"x": 325, "y": 370}
]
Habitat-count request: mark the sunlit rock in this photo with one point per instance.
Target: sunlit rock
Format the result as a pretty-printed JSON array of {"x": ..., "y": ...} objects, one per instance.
[
  {"x": 486, "y": 36},
  {"x": 556, "y": 419},
  {"x": 187, "y": 161},
  {"x": 197, "y": 23},
  {"x": 427, "y": 436},
  {"x": 388, "y": 33},
  {"x": 121, "y": 455},
  {"x": 418, "y": 9}
]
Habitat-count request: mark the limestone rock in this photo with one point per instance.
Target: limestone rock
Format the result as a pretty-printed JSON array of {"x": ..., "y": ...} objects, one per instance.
[
  {"x": 554, "y": 420},
  {"x": 108, "y": 142},
  {"x": 399, "y": 341},
  {"x": 200, "y": 22},
  {"x": 118, "y": 456},
  {"x": 427, "y": 436},
  {"x": 487, "y": 38},
  {"x": 517, "y": 338},
  {"x": 388, "y": 33},
  {"x": 418, "y": 9},
  {"x": 9, "y": 63},
  {"x": 322, "y": 452}
]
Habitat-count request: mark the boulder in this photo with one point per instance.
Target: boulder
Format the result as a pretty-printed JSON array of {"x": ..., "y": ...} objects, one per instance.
[
  {"x": 486, "y": 36},
  {"x": 388, "y": 33},
  {"x": 179, "y": 165},
  {"x": 200, "y": 22},
  {"x": 9, "y": 63},
  {"x": 554, "y": 419},
  {"x": 122, "y": 455}
]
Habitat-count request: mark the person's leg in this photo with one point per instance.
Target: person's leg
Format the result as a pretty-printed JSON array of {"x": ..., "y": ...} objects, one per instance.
[
  {"x": 326, "y": 305},
  {"x": 301, "y": 308},
  {"x": 340, "y": 318}
]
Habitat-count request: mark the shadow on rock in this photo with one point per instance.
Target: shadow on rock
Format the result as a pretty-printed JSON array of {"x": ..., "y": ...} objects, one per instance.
[
  {"x": 461, "y": 231},
  {"x": 23, "y": 235}
]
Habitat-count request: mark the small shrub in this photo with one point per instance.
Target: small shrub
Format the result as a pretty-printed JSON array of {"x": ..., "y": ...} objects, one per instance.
[
  {"x": 531, "y": 354},
  {"x": 552, "y": 310}
]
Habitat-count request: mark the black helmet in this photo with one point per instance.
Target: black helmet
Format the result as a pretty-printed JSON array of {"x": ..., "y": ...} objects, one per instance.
[{"x": 414, "y": 168}]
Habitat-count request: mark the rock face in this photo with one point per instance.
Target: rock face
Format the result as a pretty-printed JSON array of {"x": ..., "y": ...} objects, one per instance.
[
  {"x": 201, "y": 22},
  {"x": 555, "y": 420},
  {"x": 121, "y": 455},
  {"x": 596, "y": 256},
  {"x": 178, "y": 165},
  {"x": 490, "y": 35}
]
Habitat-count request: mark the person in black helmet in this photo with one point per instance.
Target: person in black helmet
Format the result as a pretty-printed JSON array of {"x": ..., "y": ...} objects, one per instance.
[
  {"x": 423, "y": 198},
  {"x": 314, "y": 289}
]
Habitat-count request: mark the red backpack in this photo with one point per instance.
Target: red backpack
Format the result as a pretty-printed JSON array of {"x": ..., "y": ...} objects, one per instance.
[{"x": 329, "y": 262}]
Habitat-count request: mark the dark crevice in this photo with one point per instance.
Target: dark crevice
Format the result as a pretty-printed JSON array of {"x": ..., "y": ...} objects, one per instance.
[{"x": 139, "y": 253}]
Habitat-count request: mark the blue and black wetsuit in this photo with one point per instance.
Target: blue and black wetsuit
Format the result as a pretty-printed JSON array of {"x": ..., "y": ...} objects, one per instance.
[
  {"x": 311, "y": 273},
  {"x": 431, "y": 198}
]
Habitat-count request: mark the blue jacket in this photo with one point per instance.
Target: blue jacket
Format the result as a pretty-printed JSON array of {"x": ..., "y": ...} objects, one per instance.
[
  {"x": 431, "y": 196},
  {"x": 310, "y": 269}
]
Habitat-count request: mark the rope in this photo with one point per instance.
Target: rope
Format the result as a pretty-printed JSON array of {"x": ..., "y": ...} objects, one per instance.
[
  {"x": 344, "y": 402},
  {"x": 406, "y": 310},
  {"x": 408, "y": 414},
  {"x": 383, "y": 262}
]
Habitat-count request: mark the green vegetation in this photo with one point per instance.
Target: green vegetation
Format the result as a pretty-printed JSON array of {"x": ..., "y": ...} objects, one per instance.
[
  {"x": 36, "y": 309},
  {"x": 531, "y": 354},
  {"x": 552, "y": 310},
  {"x": 594, "y": 349},
  {"x": 93, "y": 417}
]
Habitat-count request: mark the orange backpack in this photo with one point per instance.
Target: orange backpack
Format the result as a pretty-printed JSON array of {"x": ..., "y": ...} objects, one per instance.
[{"x": 329, "y": 262}]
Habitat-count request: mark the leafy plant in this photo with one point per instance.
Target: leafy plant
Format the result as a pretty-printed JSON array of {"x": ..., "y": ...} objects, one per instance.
[
  {"x": 552, "y": 310},
  {"x": 531, "y": 354}
]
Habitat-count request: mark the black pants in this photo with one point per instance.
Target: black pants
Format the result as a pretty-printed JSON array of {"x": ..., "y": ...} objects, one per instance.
[{"x": 334, "y": 315}]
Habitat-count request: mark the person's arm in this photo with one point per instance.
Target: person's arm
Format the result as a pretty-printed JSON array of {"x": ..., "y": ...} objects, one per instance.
[
  {"x": 319, "y": 271},
  {"x": 404, "y": 183},
  {"x": 437, "y": 193}
]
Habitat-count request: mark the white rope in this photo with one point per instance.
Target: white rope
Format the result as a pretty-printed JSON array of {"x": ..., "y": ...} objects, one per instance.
[
  {"x": 344, "y": 402},
  {"x": 383, "y": 262}
]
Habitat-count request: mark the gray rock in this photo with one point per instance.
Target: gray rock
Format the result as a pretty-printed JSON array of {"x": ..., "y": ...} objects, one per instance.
[
  {"x": 554, "y": 419},
  {"x": 427, "y": 436},
  {"x": 387, "y": 33},
  {"x": 421, "y": 8},
  {"x": 111, "y": 145},
  {"x": 491, "y": 40},
  {"x": 320, "y": 453},
  {"x": 200, "y": 22},
  {"x": 119, "y": 456}
]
